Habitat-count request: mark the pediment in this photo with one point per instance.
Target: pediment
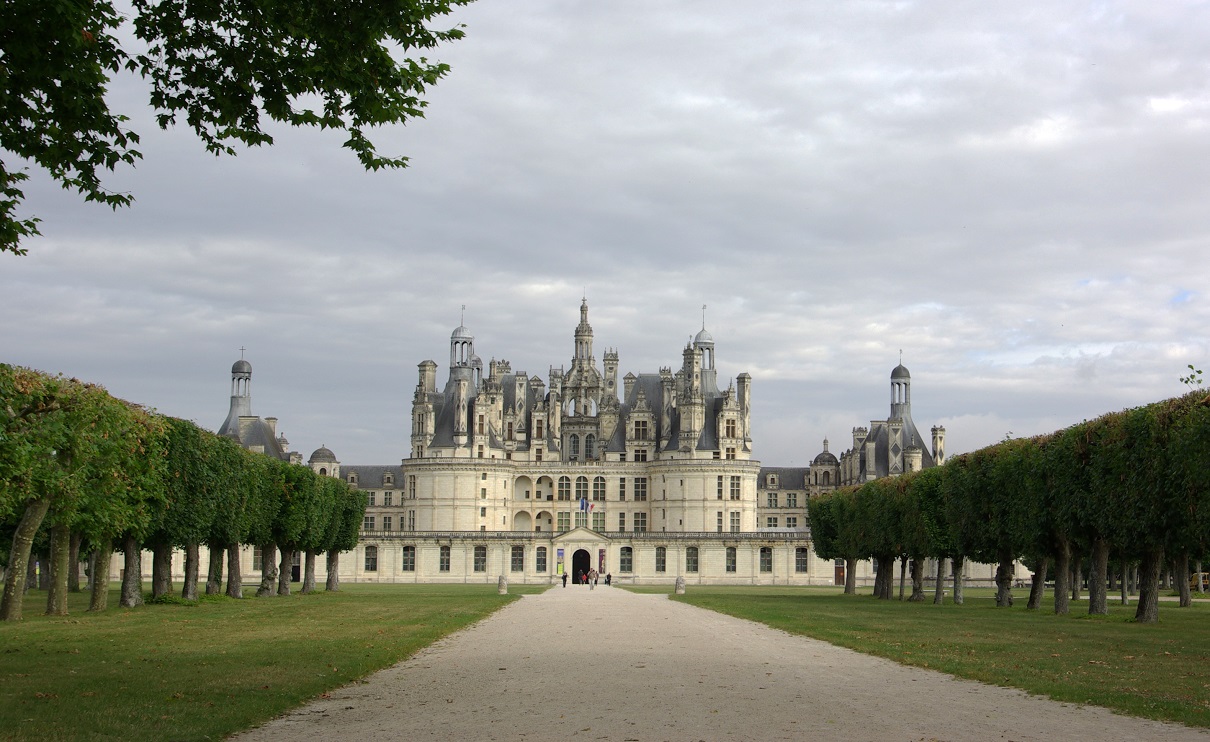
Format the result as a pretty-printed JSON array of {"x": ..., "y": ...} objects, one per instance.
[{"x": 581, "y": 534}]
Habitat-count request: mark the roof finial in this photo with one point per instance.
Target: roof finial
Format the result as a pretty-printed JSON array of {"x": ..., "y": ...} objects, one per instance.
[
  {"x": 241, "y": 352},
  {"x": 703, "y": 316},
  {"x": 901, "y": 356},
  {"x": 462, "y": 317}
]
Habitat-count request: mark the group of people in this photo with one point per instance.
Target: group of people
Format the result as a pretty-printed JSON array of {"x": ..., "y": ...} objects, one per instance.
[{"x": 590, "y": 578}]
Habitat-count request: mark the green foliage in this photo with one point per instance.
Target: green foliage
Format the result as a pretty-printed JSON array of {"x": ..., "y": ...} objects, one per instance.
[
  {"x": 1194, "y": 379},
  {"x": 217, "y": 66}
]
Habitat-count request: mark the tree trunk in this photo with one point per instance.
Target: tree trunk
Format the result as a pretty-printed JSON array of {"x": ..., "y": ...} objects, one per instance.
[
  {"x": 1077, "y": 575},
  {"x": 1004, "y": 581},
  {"x": 903, "y": 565},
  {"x": 18, "y": 559},
  {"x": 959, "y": 563},
  {"x": 101, "y": 555},
  {"x": 214, "y": 573},
  {"x": 1166, "y": 577},
  {"x": 31, "y": 574},
  {"x": 44, "y": 571},
  {"x": 189, "y": 588},
  {"x": 1062, "y": 578},
  {"x": 308, "y": 585},
  {"x": 132, "y": 577},
  {"x": 1037, "y": 588},
  {"x": 850, "y": 576},
  {"x": 917, "y": 581},
  {"x": 1201, "y": 585},
  {"x": 1098, "y": 597},
  {"x": 161, "y": 570},
  {"x": 1182, "y": 580},
  {"x": 1134, "y": 579},
  {"x": 235, "y": 579},
  {"x": 1149, "y": 587},
  {"x": 268, "y": 570},
  {"x": 1124, "y": 583},
  {"x": 333, "y": 571},
  {"x": 939, "y": 591},
  {"x": 284, "y": 568},
  {"x": 60, "y": 556},
  {"x": 73, "y": 566}
]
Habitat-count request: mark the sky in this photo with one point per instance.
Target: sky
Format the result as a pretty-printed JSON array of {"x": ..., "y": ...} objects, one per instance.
[{"x": 1014, "y": 197}]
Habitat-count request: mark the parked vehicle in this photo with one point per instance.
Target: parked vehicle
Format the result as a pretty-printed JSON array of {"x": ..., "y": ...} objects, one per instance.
[{"x": 1205, "y": 578}]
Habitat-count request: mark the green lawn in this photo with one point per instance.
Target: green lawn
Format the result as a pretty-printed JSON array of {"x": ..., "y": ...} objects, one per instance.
[
  {"x": 1158, "y": 671},
  {"x": 203, "y": 671}
]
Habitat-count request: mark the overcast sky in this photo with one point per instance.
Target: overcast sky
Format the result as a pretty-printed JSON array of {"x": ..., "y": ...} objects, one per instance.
[{"x": 1013, "y": 195}]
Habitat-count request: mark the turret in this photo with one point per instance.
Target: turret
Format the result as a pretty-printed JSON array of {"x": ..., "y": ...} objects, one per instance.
[{"x": 938, "y": 444}]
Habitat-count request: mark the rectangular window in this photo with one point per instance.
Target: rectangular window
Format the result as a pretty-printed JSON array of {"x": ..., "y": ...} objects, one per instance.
[
  {"x": 598, "y": 522},
  {"x": 691, "y": 559},
  {"x": 386, "y": 522},
  {"x": 716, "y": 456},
  {"x": 730, "y": 427},
  {"x": 720, "y": 486},
  {"x": 640, "y": 489},
  {"x": 771, "y": 499},
  {"x": 444, "y": 563},
  {"x": 720, "y": 520},
  {"x": 771, "y": 521},
  {"x": 411, "y": 520},
  {"x": 480, "y": 558},
  {"x": 482, "y": 512},
  {"x": 540, "y": 560},
  {"x": 538, "y": 434},
  {"x": 564, "y": 522},
  {"x": 481, "y": 425},
  {"x": 791, "y": 499},
  {"x": 735, "y": 522},
  {"x": 517, "y": 559},
  {"x": 622, "y": 489},
  {"x": 730, "y": 453},
  {"x": 735, "y": 488},
  {"x": 598, "y": 489},
  {"x": 621, "y": 521},
  {"x": 581, "y": 519},
  {"x": 800, "y": 559},
  {"x": 730, "y": 558},
  {"x": 640, "y": 454},
  {"x": 409, "y": 559},
  {"x": 766, "y": 559},
  {"x": 386, "y": 499},
  {"x": 661, "y": 559},
  {"x": 508, "y": 431},
  {"x": 373, "y": 498},
  {"x": 640, "y": 430},
  {"x": 640, "y": 522},
  {"x": 411, "y": 486},
  {"x": 538, "y": 456},
  {"x": 367, "y": 523},
  {"x": 626, "y": 560},
  {"x": 258, "y": 559},
  {"x": 371, "y": 558},
  {"x": 791, "y": 521}
]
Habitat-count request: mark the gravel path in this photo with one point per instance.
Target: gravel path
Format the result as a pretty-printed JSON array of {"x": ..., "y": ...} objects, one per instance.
[{"x": 607, "y": 664}]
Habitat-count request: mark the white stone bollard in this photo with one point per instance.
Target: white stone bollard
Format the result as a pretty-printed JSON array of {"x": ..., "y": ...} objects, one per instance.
[
  {"x": 680, "y": 585},
  {"x": 502, "y": 585}
]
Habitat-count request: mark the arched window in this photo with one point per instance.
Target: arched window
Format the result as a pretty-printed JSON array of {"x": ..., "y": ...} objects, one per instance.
[
  {"x": 598, "y": 489},
  {"x": 827, "y": 478},
  {"x": 564, "y": 488},
  {"x": 590, "y": 446},
  {"x": 626, "y": 560},
  {"x": 691, "y": 559},
  {"x": 581, "y": 488},
  {"x": 409, "y": 559},
  {"x": 730, "y": 558},
  {"x": 323, "y": 472},
  {"x": 371, "y": 558},
  {"x": 573, "y": 446}
]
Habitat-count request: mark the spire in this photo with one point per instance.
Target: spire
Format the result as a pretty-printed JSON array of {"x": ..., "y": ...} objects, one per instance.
[{"x": 583, "y": 335}]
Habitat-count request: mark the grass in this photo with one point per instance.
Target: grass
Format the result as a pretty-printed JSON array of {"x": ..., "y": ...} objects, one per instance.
[
  {"x": 205, "y": 670},
  {"x": 1159, "y": 671}
]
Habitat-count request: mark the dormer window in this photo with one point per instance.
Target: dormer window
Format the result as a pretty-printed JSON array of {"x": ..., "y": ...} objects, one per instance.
[
  {"x": 353, "y": 478},
  {"x": 771, "y": 480}
]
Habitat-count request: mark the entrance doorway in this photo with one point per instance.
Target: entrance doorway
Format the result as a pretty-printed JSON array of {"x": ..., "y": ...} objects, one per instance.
[{"x": 581, "y": 561}]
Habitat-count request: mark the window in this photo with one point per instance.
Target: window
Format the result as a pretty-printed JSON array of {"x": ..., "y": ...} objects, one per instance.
[
  {"x": 482, "y": 512},
  {"x": 581, "y": 519},
  {"x": 590, "y": 445},
  {"x": 626, "y": 560},
  {"x": 258, "y": 559},
  {"x": 373, "y": 497},
  {"x": 791, "y": 521},
  {"x": 791, "y": 499},
  {"x": 540, "y": 559},
  {"x": 598, "y": 521},
  {"x": 409, "y": 559},
  {"x": 729, "y": 426},
  {"x": 735, "y": 522},
  {"x": 517, "y": 559},
  {"x": 481, "y": 425},
  {"x": 730, "y": 453},
  {"x": 564, "y": 488},
  {"x": 386, "y": 499},
  {"x": 719, "y": 518},
  {"x": 483, "y": 493},
  {"x": 640, "y": 522},
  {"x": 691, "y": 559},
  {"x": 730, "y": 558},
  {"x": 411, "y": 520},
  {"x": 640, "y": 454},
  {"x": 482, "y": 476},
  {"x": 766, "y": 559},
  {"x": 386, "y": 523},
  {"x": 508, "y": 430},
  {"x": 771, "y": 499},
  {"x": 538, "y": 455},
  {"x": 720, "y": 486},
  {"x": 715, "y": 455},
  {"x": 564, "y": 522},
  {"x": 827, "y": 478},
  {"x": 734, "y": 488},
  {"x": 581, "y": 488},
  {"x": 371, "y": 558},
  {"x": 411, "y": 486},
  {"x": 800, "y": 559},
  {"x": 621, "y": 521},
  {"x": 367, "y": 523},
  {"x": 598, "y": 489},
  {"x": 640, "y": 430},
  {"x": 444, "y": 563},
  {"x": 480, "y": 559},
  {"x": 480, "y": 451},
  {"x": 661, "y": 559},
  {"x": 622, "y": 489},
  {"x": 538, "y": 433},
  {"x": 640, "y": 489},
  {"x": 574, "y": 446},
  {"x": 771, "y": 521}
]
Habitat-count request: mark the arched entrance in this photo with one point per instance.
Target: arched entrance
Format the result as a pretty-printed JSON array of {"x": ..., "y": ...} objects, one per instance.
[{"x": 581, "y": 561}]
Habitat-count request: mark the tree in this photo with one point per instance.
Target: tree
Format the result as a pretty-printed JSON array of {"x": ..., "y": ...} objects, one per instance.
[{"x": 221, "y": 67}]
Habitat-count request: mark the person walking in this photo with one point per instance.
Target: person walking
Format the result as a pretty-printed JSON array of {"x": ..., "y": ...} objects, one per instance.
[
  {"x": 564, "y": 579},
  {"x": 592, "y": 579}
]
